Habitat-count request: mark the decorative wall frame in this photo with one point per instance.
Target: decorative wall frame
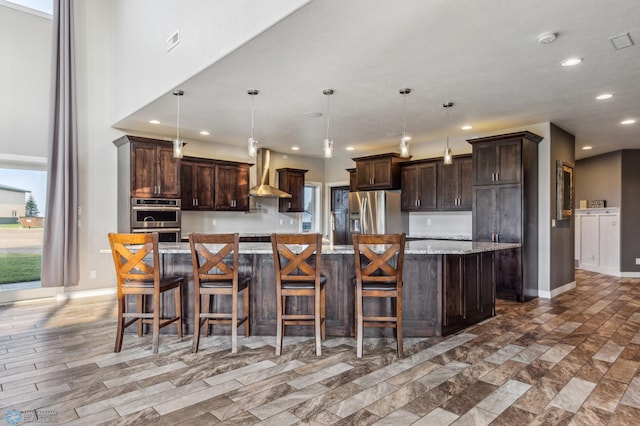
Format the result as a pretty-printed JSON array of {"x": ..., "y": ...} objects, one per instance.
[{"x": 564, "y": 190}]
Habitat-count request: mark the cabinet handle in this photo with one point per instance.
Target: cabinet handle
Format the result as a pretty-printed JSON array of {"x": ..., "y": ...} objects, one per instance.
[
  {"x": 497, "y": 238},
  {"x": 289, "y": 205},
  {"x": 197, "y": 202},
  {"x": 497, "y": 176}
]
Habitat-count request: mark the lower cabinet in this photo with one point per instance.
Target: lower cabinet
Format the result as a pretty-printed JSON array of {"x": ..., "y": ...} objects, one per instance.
[{"x": 469, "y": 290}]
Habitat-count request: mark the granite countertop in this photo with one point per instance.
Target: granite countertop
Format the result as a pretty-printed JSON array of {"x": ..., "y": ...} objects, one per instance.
[
  {"x": 461, "y": 237},
  {"x": 412, "y": 247}
]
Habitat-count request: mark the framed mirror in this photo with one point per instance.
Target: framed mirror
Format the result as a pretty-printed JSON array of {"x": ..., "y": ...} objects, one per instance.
[{"x": 564, "y": 190}]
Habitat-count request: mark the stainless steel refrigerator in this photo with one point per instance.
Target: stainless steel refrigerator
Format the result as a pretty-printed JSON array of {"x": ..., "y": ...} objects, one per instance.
[{"x": 376, "y": 212}]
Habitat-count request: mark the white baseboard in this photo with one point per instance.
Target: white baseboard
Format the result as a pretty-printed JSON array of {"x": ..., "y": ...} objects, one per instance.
[
  {"x": 556, "y": 291},
  {"x": 50, "y": 293},
  {"x": 629, "y": 274}
]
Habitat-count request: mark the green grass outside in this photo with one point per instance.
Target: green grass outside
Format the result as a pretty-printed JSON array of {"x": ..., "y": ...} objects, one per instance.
[
  {"x": 18, "y": 268},
  {"x": 10, "y": 225}
]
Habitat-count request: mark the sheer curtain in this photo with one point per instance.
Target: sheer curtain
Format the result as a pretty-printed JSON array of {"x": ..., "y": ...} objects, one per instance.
[{"x": 60, "y": 239}]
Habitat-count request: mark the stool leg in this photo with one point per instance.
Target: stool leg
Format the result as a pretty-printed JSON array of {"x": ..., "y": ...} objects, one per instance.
[
  {"x": 323, "y": 311},
  {"x": 234, "y": 320},
  {"x": 177, "y": 297},
  {"x": 196, "y": 321},
  {"x": 140, "y": 308},
  {"x": 279, "y": 309},
  {"x": 399, "y": 323},
  {"x": 359, "y": 322},
  {"x": 156, "y": 323},
  {"x": 206, "y": 308},
  {"x": 317, "y": 321},
  {"x": 120, "y": 329}
]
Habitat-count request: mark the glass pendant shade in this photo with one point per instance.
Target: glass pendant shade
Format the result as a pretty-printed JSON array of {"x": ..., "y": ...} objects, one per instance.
[
  {"x": 327, "y": 148},
  {"x": 327, "y": 144},
  {"x": 178, "y": 144},
  {"x": 252, "y": 143},
  {"x": 447, "y": 151},
  {"x": 404, "y": 142}
]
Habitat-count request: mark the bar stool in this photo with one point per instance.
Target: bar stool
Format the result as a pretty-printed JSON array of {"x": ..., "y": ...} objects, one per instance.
[
  {"x": 216, "y": 273},
  {"x": 138, "y": 277},
  {"x": 298, "y": 274},
  {"x": 379, "y": 276}
]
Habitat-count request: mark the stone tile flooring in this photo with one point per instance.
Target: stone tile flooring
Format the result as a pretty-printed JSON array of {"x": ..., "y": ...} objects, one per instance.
[{"x": 571, "y": 360}]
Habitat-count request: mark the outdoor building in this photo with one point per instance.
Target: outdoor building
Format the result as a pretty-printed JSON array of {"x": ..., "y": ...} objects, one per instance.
[{"x": 12, "y": 203}]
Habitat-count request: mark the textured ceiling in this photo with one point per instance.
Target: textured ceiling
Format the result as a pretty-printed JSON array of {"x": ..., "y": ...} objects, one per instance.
[{"x": 482, "y": 55}]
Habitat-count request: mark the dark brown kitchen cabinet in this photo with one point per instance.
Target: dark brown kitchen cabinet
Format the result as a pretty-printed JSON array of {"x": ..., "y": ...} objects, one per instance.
[
  {"x": 419, "y": 186},
  {"x": 292, "y": 182},
  {"x": 149, "y": 164},
  {"x": 197, "y": 184},
  {"x": 505, "y": 208},
  {"x": 378, "y": 172},
  {"x": 498, "y": 162},
  {"x": 353, "y": 185},
  {"x": 468, "y": 290},
  {"x": 231, "y": 186},
  {"x": 455, "y": 184}
]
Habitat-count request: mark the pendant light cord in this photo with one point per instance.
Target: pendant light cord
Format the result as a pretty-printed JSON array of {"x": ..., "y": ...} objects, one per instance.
[
  {"x": 328, "y": 116},
  {"x": 178, "y": 120},
  {"x": 252, "y": 116}
]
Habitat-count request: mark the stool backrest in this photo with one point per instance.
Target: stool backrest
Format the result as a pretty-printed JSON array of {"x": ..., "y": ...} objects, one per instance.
[
  {"x": 217, "y": 263},
  {"x": 379, "y": 258},
  {"x": 132, "y": 263},
  {"x": 292, "y": 257}
]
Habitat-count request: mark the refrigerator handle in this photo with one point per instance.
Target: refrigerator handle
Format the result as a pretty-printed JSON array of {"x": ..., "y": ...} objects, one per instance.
[{"x": 363, "y": 223}]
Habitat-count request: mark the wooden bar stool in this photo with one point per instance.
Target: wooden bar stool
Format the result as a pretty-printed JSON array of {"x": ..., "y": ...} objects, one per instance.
[
  {"x": 138, "y": 277},
  {"x": 216, "y": 273},
  {"x": 378, "y": 262},
  {"x": 297, "y": 274}
]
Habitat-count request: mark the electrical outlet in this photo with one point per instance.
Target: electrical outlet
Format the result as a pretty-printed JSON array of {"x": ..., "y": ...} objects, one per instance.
[
  {"x": 92, "y": 274},
  {"x": 281, "y": 222},
  {"x": 429, "y": 222},
  {"x": 637, "y": 260},
  {"x": 215, "y": 222},
  {"x": 290, "y": 221}
]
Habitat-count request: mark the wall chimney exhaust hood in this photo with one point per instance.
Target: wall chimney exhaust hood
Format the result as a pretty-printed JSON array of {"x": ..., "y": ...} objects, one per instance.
[{"x": 263, "y": 189}]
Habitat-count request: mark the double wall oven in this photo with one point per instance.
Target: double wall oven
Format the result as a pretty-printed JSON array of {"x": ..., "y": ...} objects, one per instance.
[{"x": 161, "y": 215}]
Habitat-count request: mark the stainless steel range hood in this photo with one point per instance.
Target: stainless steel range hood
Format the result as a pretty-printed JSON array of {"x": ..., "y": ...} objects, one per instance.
[{"x": 263, "y": 189}]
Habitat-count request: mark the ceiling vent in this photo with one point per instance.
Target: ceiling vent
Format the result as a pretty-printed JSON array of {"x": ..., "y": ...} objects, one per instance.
[{"x": 621, "y": 41}]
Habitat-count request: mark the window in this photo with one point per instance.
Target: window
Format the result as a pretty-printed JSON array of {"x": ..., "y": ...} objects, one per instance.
[{"x": 311, "y": 214}]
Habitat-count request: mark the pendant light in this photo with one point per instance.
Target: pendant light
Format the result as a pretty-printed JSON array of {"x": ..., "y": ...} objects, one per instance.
[
  {"x": 404, "y": 142},
  {"x": 252, "y": 143},
  {"x": 178, "y": 143},
  {"x": 327, "y": 145},
  {"x": 447, "y": 151}
]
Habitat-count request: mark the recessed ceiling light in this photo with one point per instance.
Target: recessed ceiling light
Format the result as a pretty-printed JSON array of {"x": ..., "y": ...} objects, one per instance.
[
  {"x": 154, "y": 121},
  {"x": 569, "y": 62},
  {"x": 349, "y": 148},
  {"x": 628, "y": 121},
  {"x": 295, "y": 148},
  {"x": 587, "y": 147},
  {"x": 604, "y": 96},
  {"x": 467, "y": 127},
  {"x": 204, "y": 133},
  {"x": 313, "y": 114}
]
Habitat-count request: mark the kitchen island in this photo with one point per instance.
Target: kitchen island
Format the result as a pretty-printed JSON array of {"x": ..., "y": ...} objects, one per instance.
[{"x": 448, "y": 285}]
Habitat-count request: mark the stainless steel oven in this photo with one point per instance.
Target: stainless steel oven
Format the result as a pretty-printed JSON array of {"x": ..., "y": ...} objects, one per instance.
[
  {"x": 155, "y": 213},
  {"x": 165, "y": 235}
]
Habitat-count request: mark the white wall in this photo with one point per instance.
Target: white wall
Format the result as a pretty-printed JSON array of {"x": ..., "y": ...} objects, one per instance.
[
  {"x": 209, "y": 30},
  {"x": 26, "y": 69}
]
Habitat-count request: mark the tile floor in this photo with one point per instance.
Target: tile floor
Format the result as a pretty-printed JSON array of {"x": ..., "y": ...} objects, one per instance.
[{"x": 571, "y": 360}]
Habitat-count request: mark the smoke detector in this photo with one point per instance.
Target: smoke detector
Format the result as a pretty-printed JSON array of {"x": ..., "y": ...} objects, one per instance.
[{"x": 547, "y": 38}]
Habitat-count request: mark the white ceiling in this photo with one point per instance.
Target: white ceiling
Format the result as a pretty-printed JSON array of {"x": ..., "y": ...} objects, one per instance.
[{"x": 483, "y": 55}]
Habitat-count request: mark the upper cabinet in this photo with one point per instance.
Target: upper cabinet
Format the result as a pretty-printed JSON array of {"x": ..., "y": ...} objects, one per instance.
[
  {"x": 419, "y": 185},
  {"x": 353, "y": 186},
  {"x": 292, "y": 182},
  {"x": 231, "y": 186},
  {"x": 197, "y": 183},
  {"x": 497, "y": 162},
  {"x": 454, "y": 184},
  {"x": 149, "y": 164},
  {"x": 378, "y": 172},
  {"x": 429, "y": 185}
]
